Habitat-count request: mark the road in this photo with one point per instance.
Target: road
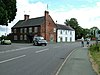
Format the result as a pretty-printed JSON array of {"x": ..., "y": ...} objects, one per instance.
[{"x": 25, "y": 59}]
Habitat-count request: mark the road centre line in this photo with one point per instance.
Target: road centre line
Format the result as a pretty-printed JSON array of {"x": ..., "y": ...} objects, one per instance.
[
  {"x": 42, "y": 50},
  {"x": 4, "y": 61},
  {"x": 15, "y": 50}
]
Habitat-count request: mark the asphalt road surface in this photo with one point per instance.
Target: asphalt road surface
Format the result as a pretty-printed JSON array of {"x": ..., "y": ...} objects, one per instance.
[{"x": 26, "y": 59}]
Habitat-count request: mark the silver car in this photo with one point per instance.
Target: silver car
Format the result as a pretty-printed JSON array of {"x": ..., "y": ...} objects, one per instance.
[{"x": 39, "y": 40}]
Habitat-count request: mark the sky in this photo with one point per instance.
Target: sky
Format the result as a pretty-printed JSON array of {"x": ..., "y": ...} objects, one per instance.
[{"x": 87, "y": 12}]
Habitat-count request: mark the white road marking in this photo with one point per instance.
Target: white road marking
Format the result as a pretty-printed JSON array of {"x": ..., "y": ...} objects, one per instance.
[
  {"x": 15, "y": 50},
  {"x": 58, "y": 71},
  {"x": 12, "y": 59},
  {"x": 57, "y": 46},
  {"x": 42, "y": 50}
]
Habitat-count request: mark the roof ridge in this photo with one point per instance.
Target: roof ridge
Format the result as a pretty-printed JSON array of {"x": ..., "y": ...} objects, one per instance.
[{"x": 37, "y": 17}]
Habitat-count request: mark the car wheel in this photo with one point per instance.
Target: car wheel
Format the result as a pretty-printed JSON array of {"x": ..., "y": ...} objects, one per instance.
[
  {"x": 35, "y": 43},
  {"x": 45, "y": 44}
]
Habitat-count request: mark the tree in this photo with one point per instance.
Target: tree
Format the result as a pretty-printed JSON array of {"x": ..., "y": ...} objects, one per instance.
[
  {"x": 86, "y": 33},
  {"x": 7, "y": 11},
  {"x": 74, "y": 24},
  {"x": 98, "y": 31},
  {"x": 93, "y": 31}
]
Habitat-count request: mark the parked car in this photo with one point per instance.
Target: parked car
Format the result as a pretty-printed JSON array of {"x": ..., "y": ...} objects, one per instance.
[
  {"x": 39, "y": 40},
  {"x": 6, "y": 42}
]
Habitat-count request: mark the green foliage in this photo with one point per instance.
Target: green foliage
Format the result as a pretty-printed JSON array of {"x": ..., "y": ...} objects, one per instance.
[
  {"x": 93, "y": 32},
  {"x": 74, "y": 24},
  {"x": 95, "y": 53},
  {"x": 95, "y": 48},
  {"x": 79, "y": 31},
  {"x": 99, "y": 32},
  {"x": 7, "y": 11}
]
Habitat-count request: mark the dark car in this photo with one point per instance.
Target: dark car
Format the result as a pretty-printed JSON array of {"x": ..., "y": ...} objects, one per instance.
[{"x": 39, "y": 40}]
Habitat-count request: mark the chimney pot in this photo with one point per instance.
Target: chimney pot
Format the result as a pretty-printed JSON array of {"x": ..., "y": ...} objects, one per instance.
[
  {"x": 26, "y": 17},
  {"x": 46, "y": 13}
]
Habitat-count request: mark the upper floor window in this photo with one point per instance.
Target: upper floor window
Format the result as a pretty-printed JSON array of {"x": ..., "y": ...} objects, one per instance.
[
  {"x": 30, "y": 29},
  {"x": 36, "y": 29},
  {"x": 54, "y": 29},
  {"x": 25, "y": 30},
  {"x": 66, "y": 32},
  {"x": 70, "y": 33},
  {"x": 21, "y": 30},
  {"x": 14, "y": 30},
  {"x": 61, "y": 32}
]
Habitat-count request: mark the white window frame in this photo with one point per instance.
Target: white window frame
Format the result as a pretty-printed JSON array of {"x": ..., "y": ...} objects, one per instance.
[{"x": 54, "y": 29}]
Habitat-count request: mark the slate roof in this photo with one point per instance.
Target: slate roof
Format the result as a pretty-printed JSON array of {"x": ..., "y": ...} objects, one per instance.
[
  {"x": 64, "y": 27},
  {"x": 30, "y": 22}
]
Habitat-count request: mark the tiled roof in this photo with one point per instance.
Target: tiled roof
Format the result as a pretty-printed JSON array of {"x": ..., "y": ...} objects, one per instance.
[
  {"x": 64, "y": 27},
  {"x": 30, "y": 22}
]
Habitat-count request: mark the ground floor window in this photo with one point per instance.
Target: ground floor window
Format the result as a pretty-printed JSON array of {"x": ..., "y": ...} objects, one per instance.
[
  {"x": 21, "y": 37},
  {"x": 25, "y": 37},
  {"x": 66, "y": 39},
  {"x": 70, "y": 39},
  {"x": 60, "y": 39},
  {"x": 15, "y": 37}
]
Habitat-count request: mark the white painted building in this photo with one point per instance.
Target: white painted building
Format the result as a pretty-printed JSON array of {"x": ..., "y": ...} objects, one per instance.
[{"x": 65, "y": 33}]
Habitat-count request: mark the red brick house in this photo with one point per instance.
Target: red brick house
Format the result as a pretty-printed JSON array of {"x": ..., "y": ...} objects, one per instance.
[{"x": 25, "y": 30}]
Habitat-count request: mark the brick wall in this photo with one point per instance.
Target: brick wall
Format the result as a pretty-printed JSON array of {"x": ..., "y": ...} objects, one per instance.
[{"x": 47, "y": 28}]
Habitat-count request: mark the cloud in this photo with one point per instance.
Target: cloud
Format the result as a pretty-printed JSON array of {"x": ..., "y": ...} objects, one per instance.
[
  {"x": 98, "y": 4},
  {"x": 24, "y": 7},
  {"x": 87, "y": 17}
]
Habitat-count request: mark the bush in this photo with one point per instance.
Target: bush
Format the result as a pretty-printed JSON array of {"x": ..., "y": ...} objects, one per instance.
[{"x": 95, "y": 47}]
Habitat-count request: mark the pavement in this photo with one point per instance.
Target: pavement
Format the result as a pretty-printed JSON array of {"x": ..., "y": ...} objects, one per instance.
[{"x": 77, "y": 63}]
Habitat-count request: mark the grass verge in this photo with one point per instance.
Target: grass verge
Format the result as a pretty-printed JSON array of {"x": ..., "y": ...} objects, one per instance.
[{"x": 94, "y": 51}]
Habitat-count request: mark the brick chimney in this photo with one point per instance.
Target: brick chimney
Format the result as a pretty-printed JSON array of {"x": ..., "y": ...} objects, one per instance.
[
  {"x": 26, "y": 17},
  {"x": 46, "y": 13}
]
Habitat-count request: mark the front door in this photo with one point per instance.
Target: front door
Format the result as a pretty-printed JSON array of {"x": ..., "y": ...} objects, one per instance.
[{"x": 51, "y": 38}]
